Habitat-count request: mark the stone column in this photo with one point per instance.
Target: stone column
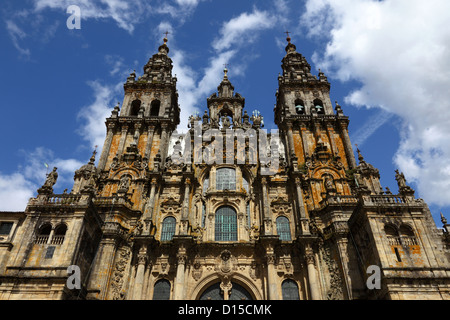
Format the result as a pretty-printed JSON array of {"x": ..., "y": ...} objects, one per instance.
[
  {"x": 187, "y": 188},
  {"x": 163, "y": 143},
  {"x": 149, "y": 208},
  {"x": 303, "y": 219},
  {"x": 103, "y": 267},
  {"x": 106, "y": 146},
  {"x": 50, "y": 236},
  {"x": 290, "y": 140},
  {"x": 312, "y": 275},
  {"x": 271, "y": 274},
  {"x": 185, "y": 214},
  {"x": 304, "y": 139},
  {"x": 139, "y": 279},
  {"x": 347, "y": 146},
  {"x": 123, "y": 137},
  {"x": 178, "y": 289},
  {"x": 151, "y": 131},
  {"x": 266, "y": 217},
  {"x": 342, "y": 244}
]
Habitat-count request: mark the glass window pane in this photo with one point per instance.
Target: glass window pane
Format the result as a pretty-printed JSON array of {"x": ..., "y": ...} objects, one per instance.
[
  {"x": 168, "y": 229},
  {"x": 226, "y": 179},
  {"x": 290, "y": 290},
  {"x": 5, "y": 228},
  {"x": 226, "y": 224},
  {"x": 161, "y": 290},
  {"x": 239, "y": 293},
  {"x": 283, "y": 229},
  {"x": 212, "y": 293}
]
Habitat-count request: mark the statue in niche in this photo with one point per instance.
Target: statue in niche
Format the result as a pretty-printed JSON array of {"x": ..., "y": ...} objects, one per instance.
[
  {"x": 124, "y": 183},
  {"x": 226, "y": 122},
  {"x": 329, "y": 184}
]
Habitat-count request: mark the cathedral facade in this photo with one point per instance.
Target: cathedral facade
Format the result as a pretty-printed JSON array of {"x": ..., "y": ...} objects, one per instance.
[{"x": 226, "y": 211}]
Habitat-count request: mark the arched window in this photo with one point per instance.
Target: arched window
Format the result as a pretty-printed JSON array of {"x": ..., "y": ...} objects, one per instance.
[
  {"x": 59, "y": 234},
  {"x": 407, "y": 236},
  {"x": 135, "y": 107},
  {"x": 393, "y": 239},
  {"x": 238, "y": 292},
  {"x": 225, "y": 179},
  {"x": 289, "y": 289},
  {"x": 161, "y": 290},
  {"x": 319, "y": 106},
  {"x": 214, "y": 292},
  {"x": 392, "y": 235},
  {"x": 283, "y": 229},
  {"x": 226, "y": 224},
  {"x": 154, "y": 109},
  {"x": 168, "y": 229},
  {"x": 299, "y": 107},
  {"x": 43, "y": 233}
]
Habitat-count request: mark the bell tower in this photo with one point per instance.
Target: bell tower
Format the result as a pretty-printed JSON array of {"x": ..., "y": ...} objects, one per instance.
[
  {"x": 225, "y": 106},
  {"x": 138, "y": 133},
  {"x": 319, "y": 150}
]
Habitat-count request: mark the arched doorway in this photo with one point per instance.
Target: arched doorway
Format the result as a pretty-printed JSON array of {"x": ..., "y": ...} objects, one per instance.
[{"x": 214, "y": 292}]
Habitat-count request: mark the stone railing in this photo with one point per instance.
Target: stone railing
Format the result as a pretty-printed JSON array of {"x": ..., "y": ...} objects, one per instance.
[
  {"x": 41, "y": 239},
  {"x": 57, "y": 239},
  {"x": 384, "y": 199},
  {"x": 110, "y": 201},
  {"x": 63, "y": 199}
]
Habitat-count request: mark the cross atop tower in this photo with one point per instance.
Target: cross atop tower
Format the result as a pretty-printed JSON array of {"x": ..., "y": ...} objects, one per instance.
[
  {"x": 225, "y": 70},
  {"x": 165, "y": 38},
  {"x": 288, "y": 36}
]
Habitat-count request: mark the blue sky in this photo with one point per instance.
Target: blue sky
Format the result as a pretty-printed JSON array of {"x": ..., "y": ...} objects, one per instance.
[{"x": 387, "y": 61}]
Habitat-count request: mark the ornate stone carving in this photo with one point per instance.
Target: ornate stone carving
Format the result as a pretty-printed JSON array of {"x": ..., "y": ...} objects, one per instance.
[
  {"x": 117, "y": 279},
  {"x": 336, "y": 284},
  {"x": 197, "y": 270},
  {"x": 47, "y": 187}
]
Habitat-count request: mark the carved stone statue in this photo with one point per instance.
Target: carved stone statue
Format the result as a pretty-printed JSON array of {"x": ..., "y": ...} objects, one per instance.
[
  {"x": 329, "y": 184},
  {"x": 51, "y": 178},
  {"x": 124, "y": 183},
  {"x": 401, "y": 181},
  {"x": 226, "y": 122}
]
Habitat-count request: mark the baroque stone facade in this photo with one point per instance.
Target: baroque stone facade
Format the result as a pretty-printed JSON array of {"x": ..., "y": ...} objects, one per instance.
[{"x": 225, "y": 211}]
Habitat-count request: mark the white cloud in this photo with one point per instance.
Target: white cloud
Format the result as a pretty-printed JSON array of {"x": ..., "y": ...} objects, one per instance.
[
  {"x": 366, "y": 130},
  {"x": 125, "y": 13},
  {"x": 18, "y": 187},
  {"x": 241, "y": 29},
  {"x": 16, "y": 34},
  {"x": 93, "y": 129},
  {"x": 398, "y": 51},
  {"x": 194, "y": 86},
  {"x": 15, "y": 191}
]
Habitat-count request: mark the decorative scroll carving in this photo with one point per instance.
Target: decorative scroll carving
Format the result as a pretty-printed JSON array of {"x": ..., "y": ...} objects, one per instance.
[
  {"x": 119, "y": 273},
  {"x": 336, "y": 284}
]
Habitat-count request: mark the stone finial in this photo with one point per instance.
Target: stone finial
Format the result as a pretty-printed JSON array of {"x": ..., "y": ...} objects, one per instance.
[
  {"x": 443, "y": 219},
  {"x": 360, "y": 157}
]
